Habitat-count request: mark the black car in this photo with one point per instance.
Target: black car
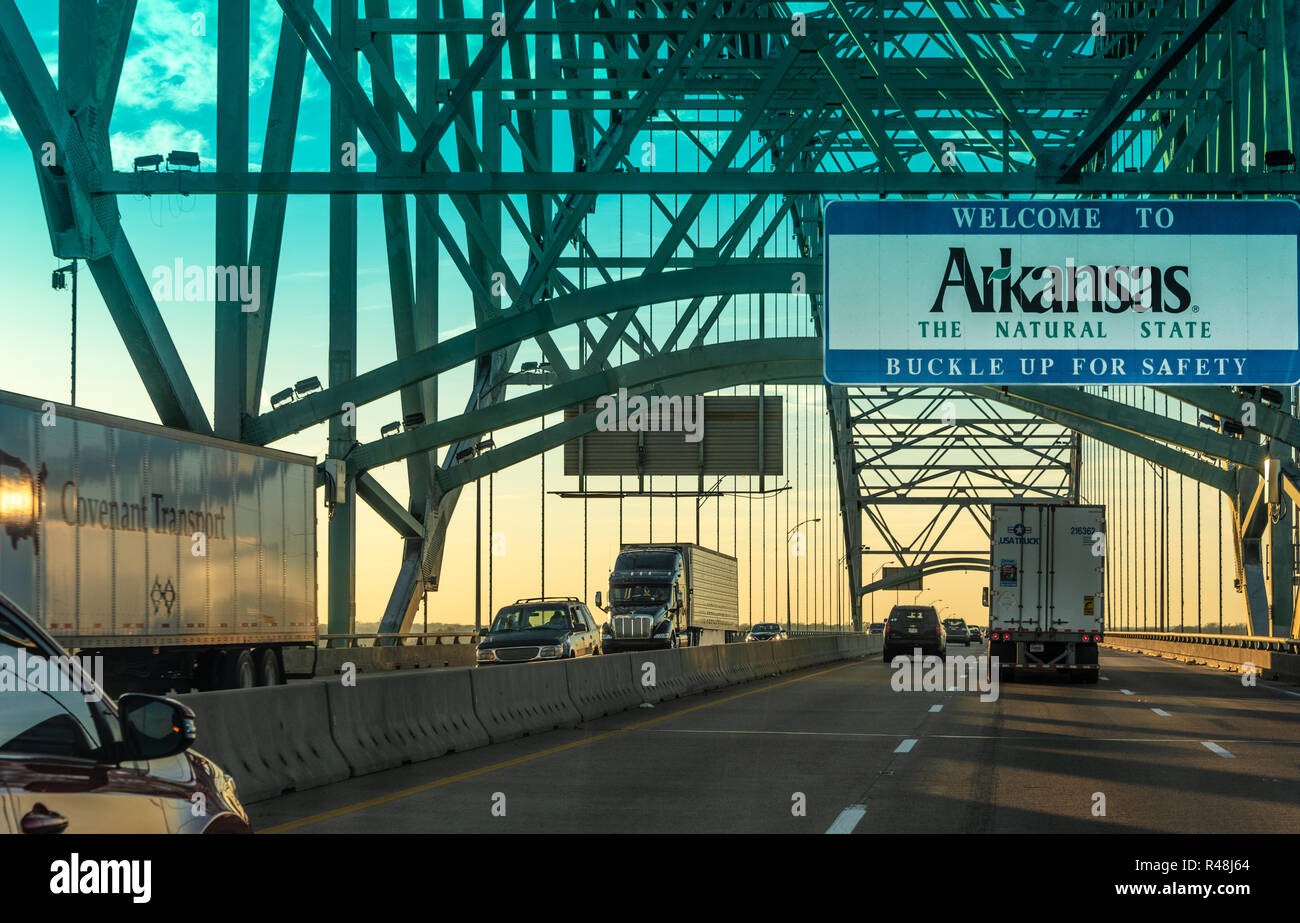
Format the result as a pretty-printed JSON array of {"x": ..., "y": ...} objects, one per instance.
[
  {"x": 976, "y": 634},
  {"x": 539, "y": 629},
  {"x": 910, "y": 627},
  {"x": 766, "y": 631},
  {"x": 876, "y": 628},
  {"x": 957, "y": 631}
]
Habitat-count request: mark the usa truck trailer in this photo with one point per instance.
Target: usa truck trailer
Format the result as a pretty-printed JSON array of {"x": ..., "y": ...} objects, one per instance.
[{"x": 1046, "y": 591}]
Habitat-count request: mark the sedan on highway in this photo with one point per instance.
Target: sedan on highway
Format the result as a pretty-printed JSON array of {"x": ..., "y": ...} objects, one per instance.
[
  {"x": 539, "y": 629},
  {"x": 911, "y": 627},
  {"x": 976, "y": 634},
  {"x": 957, "y": 631},
  {"x": 876, "y": 628},
  {"x": 766, "y": 631},
  {"x": 73, "y": 760}
]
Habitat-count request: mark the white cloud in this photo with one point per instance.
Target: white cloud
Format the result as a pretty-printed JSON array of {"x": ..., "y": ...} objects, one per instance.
[
  {"x": 167, "y": 66},
  {"x": 161, "y": 137}
]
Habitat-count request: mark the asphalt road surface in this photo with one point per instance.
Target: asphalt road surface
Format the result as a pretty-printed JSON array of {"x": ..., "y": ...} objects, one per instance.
[{"x": 1162, "y": 747}]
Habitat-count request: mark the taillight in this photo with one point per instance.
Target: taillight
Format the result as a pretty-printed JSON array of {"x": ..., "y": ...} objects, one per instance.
[{"x": 1086, "y": 638}]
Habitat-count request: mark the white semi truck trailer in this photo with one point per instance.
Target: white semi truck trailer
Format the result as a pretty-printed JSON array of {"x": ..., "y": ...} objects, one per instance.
[
  {"x": 183, "y": 560},
  {"x": 1046, "y": 588}
]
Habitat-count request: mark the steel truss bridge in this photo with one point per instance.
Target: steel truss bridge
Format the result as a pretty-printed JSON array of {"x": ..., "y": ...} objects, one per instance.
[{"x": 493, "y": 146}]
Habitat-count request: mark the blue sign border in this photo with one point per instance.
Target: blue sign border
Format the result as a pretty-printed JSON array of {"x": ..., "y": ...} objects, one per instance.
[{"x": 865, "y": 367}]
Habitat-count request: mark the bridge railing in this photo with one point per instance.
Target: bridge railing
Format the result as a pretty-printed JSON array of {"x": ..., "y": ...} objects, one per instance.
[
  {"x": 1269, "y": 658},
  {"x": 1249, "y": 642},
  {"x": 400, "y": 638}
]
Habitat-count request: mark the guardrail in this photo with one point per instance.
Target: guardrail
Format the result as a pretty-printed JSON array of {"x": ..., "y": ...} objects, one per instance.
[
  {"x": 420, "y": 638},
  {"x": 1250, "y": 642},
  {"x": 276, "y": 739},
  {"x": 1268, "y": 658}
]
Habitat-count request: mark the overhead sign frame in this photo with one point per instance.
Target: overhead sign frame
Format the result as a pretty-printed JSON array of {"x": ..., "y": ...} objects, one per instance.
[{"x": 1151, "y": 291}]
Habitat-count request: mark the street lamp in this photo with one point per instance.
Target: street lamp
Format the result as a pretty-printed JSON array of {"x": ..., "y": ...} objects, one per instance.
[
  {"x": 789, "y": 532},
  {"x": 57, "y": 281},
  {"x": 483, "y": 446}
]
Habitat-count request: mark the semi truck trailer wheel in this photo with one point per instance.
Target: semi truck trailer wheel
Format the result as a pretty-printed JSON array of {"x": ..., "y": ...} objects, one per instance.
[
  {"x": 238, "y": 670},
  {"x": 268, "y": 667}
]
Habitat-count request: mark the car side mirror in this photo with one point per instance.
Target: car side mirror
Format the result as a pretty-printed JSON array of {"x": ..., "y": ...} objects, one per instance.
[
  {"x": 599, "y": 605},
  {"x": 984, "y": 597},
  {"x": 154, "y": 727}
]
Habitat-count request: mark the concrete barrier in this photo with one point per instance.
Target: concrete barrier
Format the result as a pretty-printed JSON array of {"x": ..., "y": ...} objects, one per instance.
[
  {"x": 385, "y": 721},
  {"x": 329, "y": 661},
  {"x": 1274, "y": 665},
  {"x": 746, "y": 662},
  {"x": 303, "y": 735},
  {"x": 512, "y": 700},
  {"x": 271, "y": 740},
  {"x": 601, "y": 685},
  {"x": 659, "y": 677}
]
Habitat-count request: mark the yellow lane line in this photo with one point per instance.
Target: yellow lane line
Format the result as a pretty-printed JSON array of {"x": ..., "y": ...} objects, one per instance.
[{"x": 460, "y": 777}]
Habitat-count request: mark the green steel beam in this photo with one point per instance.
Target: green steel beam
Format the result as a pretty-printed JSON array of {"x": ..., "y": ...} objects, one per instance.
[
  {"x": 231, "y": 335},
  {"x": 1222, "y": 402},
  {"x": 1121, "y": 439},
  {"x": 1123, "y": 99},
  {"x": 557, "y": 434},
  {"x": 1119, "y": 415},
  {"x": 388, "y": 507},
  {"x": 267, "y": 236},
  {"x": 938, "y": 566},
  {"x": 1022, "y": 183},
  {"x": 765, "y": 276},
  {"x": 720, "y": 358}
]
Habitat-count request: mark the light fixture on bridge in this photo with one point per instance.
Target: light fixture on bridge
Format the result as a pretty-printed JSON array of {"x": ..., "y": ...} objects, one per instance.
[
  {"x": 1271, "y": 395},
  {"x": 148, "y": 162},
  {"x": 1283, "y": 161},
  {"x": 413, "y": 419},
  {"x": 281, "y": 397},
  {"x": 467, "y": 452},
  {"x": 1232, "y": 427},
  {"x": 388, "y": 429},
  {"x": 307, "y": 385},
  {"x": 528, "y": 367},
  {"x": 485, "y": 446},
  {"x": 185, "y": 160},
  {"x": 1209, "y": 420}
]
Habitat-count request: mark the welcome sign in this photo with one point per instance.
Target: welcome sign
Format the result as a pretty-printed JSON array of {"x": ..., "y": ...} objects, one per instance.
[{"x": 1072, "y": 292}]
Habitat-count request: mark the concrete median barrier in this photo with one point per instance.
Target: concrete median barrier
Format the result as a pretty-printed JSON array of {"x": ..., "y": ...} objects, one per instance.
[
  {"x": 271, "y": 740},
  {"x": 746, "y": 662},
  {"x": 387, "y": 720},
  {"x": 1273, "y": 665},
  {"x": 658, "y": 675},
  {"x": 601, "y": 685},
  {"x": 359, "y": 716},
  {"x": 512, "y": 700}
]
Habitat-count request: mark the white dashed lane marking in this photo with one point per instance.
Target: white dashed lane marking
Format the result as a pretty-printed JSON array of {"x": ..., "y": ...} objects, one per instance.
[
  {"x": 906, "y": 746},
  {"x": 936, "y": 708},
  {"x": 1161, "y": 712},
  {"x": 1215, "y": 748},
  {"x": 848, "y": 819}
]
